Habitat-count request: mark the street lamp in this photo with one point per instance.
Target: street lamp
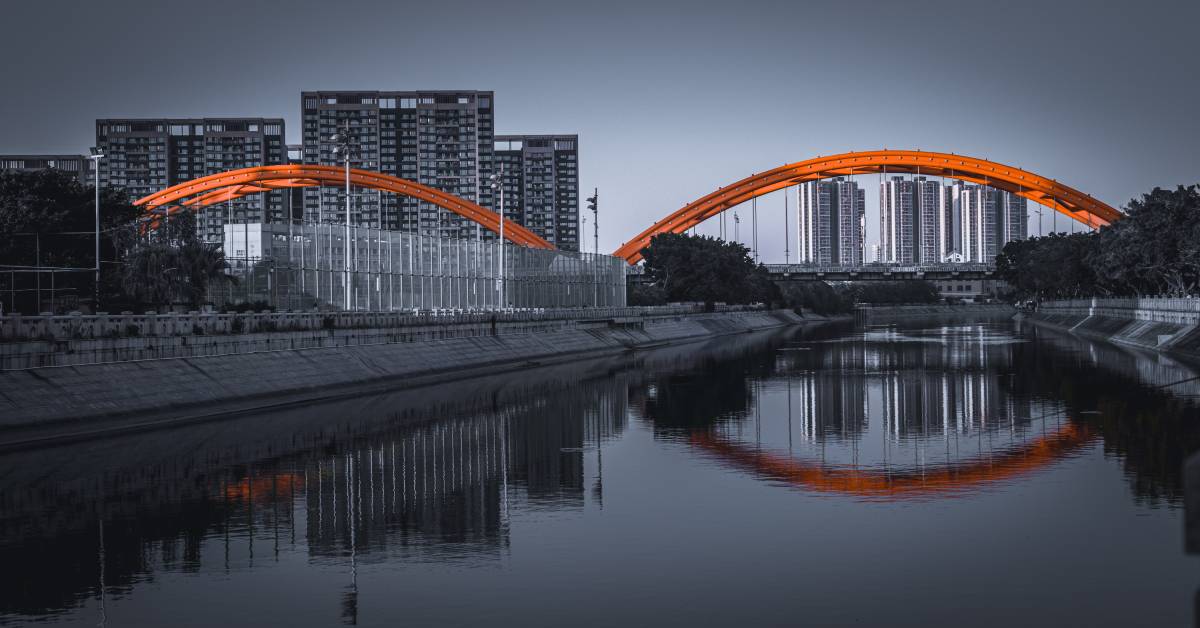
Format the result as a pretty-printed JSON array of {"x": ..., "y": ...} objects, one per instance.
[
  {"x": 342, "y": 148},
  {"x": 497, "y": 180},
  {"x": 95, "y": 157}
]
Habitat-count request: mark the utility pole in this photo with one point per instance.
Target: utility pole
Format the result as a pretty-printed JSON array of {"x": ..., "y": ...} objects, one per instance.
[
  {"x": 341, "y": 148},
  {"x": 594, "y": 206},
  {"x": 96, "y": 156},
  {"x": 498, "y": 184}
]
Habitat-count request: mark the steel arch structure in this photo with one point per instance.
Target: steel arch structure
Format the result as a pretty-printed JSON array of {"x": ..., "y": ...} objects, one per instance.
[
  {"x": 1037, "y": 188},
  {"x": 224, "y": 186}
]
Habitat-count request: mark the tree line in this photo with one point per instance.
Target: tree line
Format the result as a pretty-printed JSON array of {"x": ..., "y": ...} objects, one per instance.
[
  {"x": 1154, "y": 250},
  {"x": 686, "y": 268},
  {"x": 47, "y": 220}
]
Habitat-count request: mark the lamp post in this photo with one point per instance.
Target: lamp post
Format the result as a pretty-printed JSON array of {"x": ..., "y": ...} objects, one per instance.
[
  {"x": 497, "y": 180},
  {"x": 341, "y": 147},
  {"x": 95, "y": 157}
]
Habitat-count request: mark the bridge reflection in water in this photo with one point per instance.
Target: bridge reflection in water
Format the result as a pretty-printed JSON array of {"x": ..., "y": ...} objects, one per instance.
[{"x": 434, "y": 476}]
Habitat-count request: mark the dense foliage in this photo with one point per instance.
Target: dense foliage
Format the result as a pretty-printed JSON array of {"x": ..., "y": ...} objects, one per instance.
[
  {"x": 47, "y": 218},
  {"x": 817, "y": 297},
  {"x": 893, "y": 292},
  {"x": 170, "y": 264},
  {"x": 1154, "y": 250},
  {"x": 705, "y": 269}
]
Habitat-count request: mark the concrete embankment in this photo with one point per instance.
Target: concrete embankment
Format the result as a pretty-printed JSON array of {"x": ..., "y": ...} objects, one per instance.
[
  {"x": 1167, "y": 325},
  {"x": 87, "y": 396}
]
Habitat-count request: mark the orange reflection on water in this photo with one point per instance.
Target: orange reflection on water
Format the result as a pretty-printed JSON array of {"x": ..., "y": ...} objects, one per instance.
[
  {"x": 951, "y": 480},
  {"x": 263, "y": 488}
]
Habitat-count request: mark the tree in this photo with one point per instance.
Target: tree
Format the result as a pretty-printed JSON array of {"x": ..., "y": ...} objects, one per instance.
[
  {"x": 817, "y": 297},
  {"x": 1154, "y": 249},
  {"x": 47, "y": 218},
  {"x": 703, "y": 268},
  {"x": 170, "y": 264}
]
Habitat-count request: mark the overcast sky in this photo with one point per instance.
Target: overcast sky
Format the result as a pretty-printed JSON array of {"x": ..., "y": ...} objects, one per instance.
[{"x": 671, "y": 99}]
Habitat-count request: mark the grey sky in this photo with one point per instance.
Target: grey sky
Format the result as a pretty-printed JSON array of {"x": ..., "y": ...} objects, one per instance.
[{"x": 670, "y": 100}]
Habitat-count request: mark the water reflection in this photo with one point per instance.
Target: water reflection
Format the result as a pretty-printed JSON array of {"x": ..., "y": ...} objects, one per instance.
[
  {"x": 437, "y": 476},
  {"x": 903, "y": 412}
]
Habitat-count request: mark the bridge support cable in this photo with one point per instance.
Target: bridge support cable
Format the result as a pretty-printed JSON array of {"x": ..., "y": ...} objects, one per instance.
[
  {"x": 787, "y": 233},
  {"x": 1033, "y": 187},
  {"x": 754, "y": 226}
]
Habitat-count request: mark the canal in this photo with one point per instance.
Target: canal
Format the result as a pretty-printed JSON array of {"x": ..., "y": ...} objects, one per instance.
[{"x": 902, "y": 473}]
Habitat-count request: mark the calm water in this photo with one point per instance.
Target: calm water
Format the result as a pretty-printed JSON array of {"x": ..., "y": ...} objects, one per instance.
[{"x": 902, "y": 474}]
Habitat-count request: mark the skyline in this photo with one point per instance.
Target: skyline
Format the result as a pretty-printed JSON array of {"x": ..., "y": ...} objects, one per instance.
[{"x": 703, "y": 115}]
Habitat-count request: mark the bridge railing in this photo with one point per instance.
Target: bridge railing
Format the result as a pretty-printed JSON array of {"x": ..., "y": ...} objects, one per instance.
[
  {"x": 880, "y": 268},
  {"x": 1161, "y": 309}
]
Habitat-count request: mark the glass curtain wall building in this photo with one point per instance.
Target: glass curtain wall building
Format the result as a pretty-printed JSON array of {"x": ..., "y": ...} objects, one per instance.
[{"x": 304, "y": 267}]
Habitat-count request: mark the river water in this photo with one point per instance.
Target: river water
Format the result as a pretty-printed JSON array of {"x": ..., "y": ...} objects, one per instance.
[{"x": 906, "y": 473}]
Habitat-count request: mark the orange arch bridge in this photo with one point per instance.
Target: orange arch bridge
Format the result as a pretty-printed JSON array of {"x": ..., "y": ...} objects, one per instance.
[
  {"x": 1042, "y": 190},
  {"x": 221, "y": 187}
]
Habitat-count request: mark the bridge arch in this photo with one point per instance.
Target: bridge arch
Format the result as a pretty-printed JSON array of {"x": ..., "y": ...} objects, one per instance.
[
  {"x": 1041, "y": 190},
  {"x": 221, "y": 187}
]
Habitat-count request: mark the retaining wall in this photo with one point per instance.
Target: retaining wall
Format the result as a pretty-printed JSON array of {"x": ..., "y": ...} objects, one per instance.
[
  {"x": 40, "y": 341},
  {"x": 1150, "y": 323},
  {"x": 36, "y": 397}
]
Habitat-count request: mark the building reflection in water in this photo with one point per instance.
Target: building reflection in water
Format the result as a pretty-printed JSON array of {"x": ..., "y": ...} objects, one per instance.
[
  {"x": 884, "y": 414},
  {"x": 429, "y": 483},
  {"x": 434, "y": 475}
]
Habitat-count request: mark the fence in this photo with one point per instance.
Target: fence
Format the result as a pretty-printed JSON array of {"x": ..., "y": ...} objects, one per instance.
[
  {"x": 18, "y": 328},
  {"x": 303, "y": 266},
  {"x": 1164, "y": 310}
]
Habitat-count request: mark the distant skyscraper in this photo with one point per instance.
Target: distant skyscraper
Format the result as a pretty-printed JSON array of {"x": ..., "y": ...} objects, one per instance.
[
  {"x": 949, "y": 226},
  {"x": 75, "y": 165},
  {"x": 908, "y": 221},
  {"x": 896, "y": 218},
  {"x": 541, "y": 185},
  {"x": 443, "y": 139},
  {"x": 146, "y": 155},
  {"x": 988, "y": 219},
  {"x": 831, "y": 223}
]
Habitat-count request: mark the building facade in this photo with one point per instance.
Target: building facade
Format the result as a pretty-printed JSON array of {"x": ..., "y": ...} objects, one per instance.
[
  {"x": 922, "y": 222},
  {"x": 144, "y": 156},
  {"x": 909, "y": 221},
  {"x": 77, "y": 166},
  {"x": 831, "y": 223},
  {"x": 988, "y": 219},
  {"x": 541, "y": 185},
  {"x": 443, "y": 139}
]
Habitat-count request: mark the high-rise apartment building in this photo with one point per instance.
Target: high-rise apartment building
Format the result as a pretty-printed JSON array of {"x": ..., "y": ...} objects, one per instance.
[
  {"x": 831, "y": 223},
  {"x": 949, "y": 223},
  {"x": 541, "y": 185},
  {"x": 146, "y": 155},
  {"x": 75, "y": 165},
  {"x": 908, "y": 220},
  {"x": 443, "y": 139},
  {"x": 987, "y": 219}
]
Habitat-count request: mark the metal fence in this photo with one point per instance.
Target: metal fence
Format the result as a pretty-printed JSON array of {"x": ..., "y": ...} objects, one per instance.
[{"x": 300, "y": 267}]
